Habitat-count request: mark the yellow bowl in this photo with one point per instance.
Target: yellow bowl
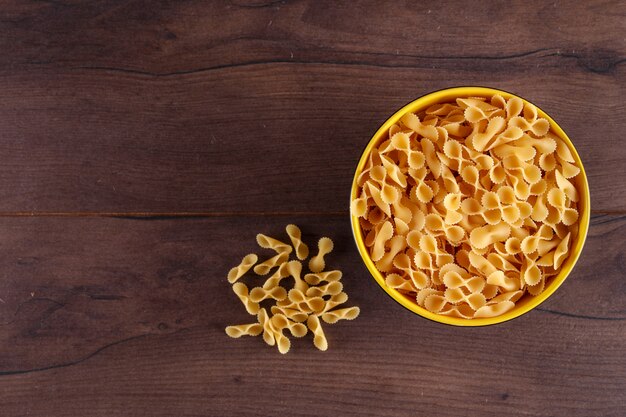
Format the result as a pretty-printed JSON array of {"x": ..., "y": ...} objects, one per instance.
[{"x": 527, "y": 302}]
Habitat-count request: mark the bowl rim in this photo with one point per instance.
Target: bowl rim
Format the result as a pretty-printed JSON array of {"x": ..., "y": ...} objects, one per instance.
[{"x": 440, "y": 96}]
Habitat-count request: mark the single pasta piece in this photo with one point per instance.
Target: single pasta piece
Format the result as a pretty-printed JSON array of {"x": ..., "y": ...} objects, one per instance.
[
  {"x": 334, "y": 316},
  {"x": 386, "y": 233},
  {"x": 245, "y": 265},
  {"x": 265, "y": 267},
  {"x": 241, "y": 290},
  {"x": 317, "y": 263},
  {"x": 319, "y": 338},
  {"x": 253, "y": 329},
  {"x": 267, "y": 242},
  {"x": 494, "y": 309},
  {"x": 467, "y": 206},
  {"x": 302, "y": 250},
  {"x": 294, "y": 269}
]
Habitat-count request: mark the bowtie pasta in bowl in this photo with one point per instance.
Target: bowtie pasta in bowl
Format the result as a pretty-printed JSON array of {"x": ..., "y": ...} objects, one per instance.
[{"x": 470, "y": 206}]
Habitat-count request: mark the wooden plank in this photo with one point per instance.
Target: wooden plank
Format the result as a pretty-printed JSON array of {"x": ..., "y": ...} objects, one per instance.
[
  {"x": 206, "y": 110},
  {"x": 419, "y": 368},
  {"x": 251, "y": 138},
  {"x": 105, "y": 316},
  {"x": 186, "y": 36}
]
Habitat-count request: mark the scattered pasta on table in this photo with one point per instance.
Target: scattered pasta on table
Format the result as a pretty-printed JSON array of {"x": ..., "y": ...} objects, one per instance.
[{"x": 298, "y": 309}]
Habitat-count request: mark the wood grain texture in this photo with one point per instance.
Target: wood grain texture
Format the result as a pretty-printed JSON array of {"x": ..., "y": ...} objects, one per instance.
[
  {"x": 144, "y": 144},
  {"x": 184, "y": 36},
  {"x": 126, "y": 317},
  {"x": 206, "y": 110}
]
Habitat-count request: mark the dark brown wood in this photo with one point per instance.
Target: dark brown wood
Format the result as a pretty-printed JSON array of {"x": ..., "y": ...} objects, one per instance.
[
  {"x": 180, "y": 37},
  {"x": 192, "y": 107},
  {"x": 144, "y": 144},
  {"x": 127, "y": 316}
]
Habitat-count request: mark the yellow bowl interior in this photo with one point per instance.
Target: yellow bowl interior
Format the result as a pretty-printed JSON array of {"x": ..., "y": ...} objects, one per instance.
[{"x": 527, "y": 302}]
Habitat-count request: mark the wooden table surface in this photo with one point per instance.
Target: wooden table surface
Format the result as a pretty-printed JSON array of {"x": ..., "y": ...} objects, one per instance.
[{"x": 144, "y": 144}]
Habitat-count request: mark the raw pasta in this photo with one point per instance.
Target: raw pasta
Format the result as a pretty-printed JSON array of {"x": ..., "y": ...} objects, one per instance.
[
  {"x": 267, "y": 242},
  {"x": 468, "y": 205},
  {"x": 253, "y": 329},
  {"x": 241, "y": 290},
  {"x": 259, "y": 294},
  {"x": 317, "y": 263},
  {"x": 319, "y": 338},
  {"x": 341, "y": 314},
  {"x": 302, "y": 250},
  {"x": 245, "y": 265},
  {"x": 314, "y": 294},
  {"x": 265, "y": 267}
]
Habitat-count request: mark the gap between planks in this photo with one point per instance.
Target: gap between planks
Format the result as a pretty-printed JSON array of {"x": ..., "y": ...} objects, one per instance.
[
  {"x": 194, "y": 214},
  {"x": 179, "y": 214}
]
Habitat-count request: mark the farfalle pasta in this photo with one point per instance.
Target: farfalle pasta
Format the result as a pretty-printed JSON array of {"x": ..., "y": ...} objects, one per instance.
[
  {"x": 314, "y": 295},
  {"x": 468, "y": 206},
  {"x": 246, "y": 263},
  {"x": 302, "y": 250},
  {"x": 317, "y": 263}
]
